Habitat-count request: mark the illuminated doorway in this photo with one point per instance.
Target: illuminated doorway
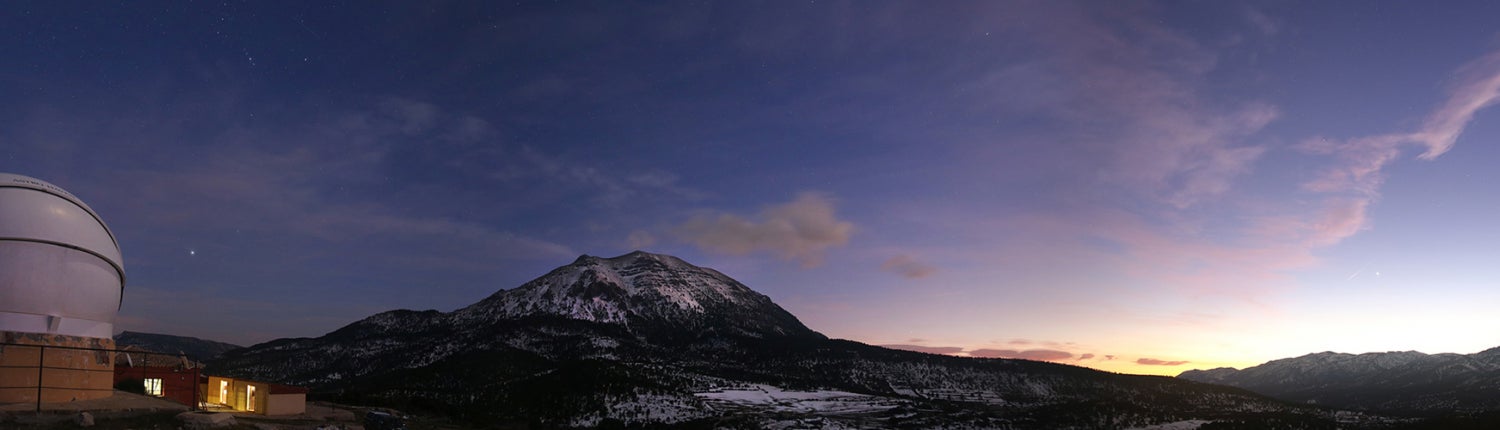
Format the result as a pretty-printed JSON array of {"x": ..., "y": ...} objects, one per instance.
[
  {"x": 223, "y": 392},
  {"x": 250, "y": 398}
]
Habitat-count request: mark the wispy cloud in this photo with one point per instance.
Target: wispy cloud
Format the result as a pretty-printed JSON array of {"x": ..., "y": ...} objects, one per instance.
[
  {"x": 297, "y": 207},
  {"x": 1132, "y": 94},
  {"x": 1156, "y": 362},
  {"x": 1478, "y": 87},
  {"x": 1353, "y": 180},
  {"x": 1037, "y": 354},
  {"x": 1124, "y": 97},
  {"x": 262, "y": 185},
  {"x": 1030, "y": 354},
  {"x": 1188, "y": 157},
  {"x": 908, "y": 267},
  {"x": 1360, "y": 160},
  {"x": 416, "y": 136},
  {"x": 1243, "y": 248},
  {"x": 945, "y": 350},
  {"x": 608, "y": 187},
  {"x": 799, "y": 230},
  {"x": 640, "y": 239}
]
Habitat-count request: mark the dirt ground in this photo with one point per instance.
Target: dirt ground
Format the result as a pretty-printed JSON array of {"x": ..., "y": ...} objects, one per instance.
[
  {"x": 317, "y": 414},
  {"x": 137, "y": 411},
  {"x": 120, "y": 401},
  {"x": 118, "y": 406}
]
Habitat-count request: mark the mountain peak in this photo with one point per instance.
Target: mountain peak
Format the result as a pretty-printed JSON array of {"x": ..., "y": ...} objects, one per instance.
[
  {"x": 637, "y": 257},
  {"x": 642, "y": 289}
]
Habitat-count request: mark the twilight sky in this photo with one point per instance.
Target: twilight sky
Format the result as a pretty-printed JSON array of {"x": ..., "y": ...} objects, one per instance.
[{"x": 1133, "y": 186}]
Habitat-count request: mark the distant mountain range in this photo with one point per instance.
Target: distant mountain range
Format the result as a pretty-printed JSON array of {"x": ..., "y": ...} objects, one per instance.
[
  {"x": 1407, "y": 382},
  {"x": 195, "y": 349},
  {"x": 651, "y": 340}
]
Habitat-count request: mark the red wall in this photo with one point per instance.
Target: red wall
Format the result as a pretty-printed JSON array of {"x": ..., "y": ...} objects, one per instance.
[{"x": 176, "y": 384}]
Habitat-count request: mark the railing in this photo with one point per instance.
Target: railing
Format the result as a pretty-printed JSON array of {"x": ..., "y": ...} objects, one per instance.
[{"x": 114, "y": 363}]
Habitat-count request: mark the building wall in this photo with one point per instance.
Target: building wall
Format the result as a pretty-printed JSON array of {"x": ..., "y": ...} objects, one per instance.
[
  {"x": 266, "y": 402},
  {"x": 178, "y": 385},
  {"x": 244, "y": 402},
  {"x": 65, "y": 374},
  {"x": 211, "y": 393},
  {"x": 286, "y": 404},
  {"x": 236, "y": 397}
]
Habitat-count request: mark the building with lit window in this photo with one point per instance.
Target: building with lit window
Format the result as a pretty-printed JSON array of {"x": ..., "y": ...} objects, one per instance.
[
  {"x": 173, "y": 382},
  {"x": 253, "y": 396}
]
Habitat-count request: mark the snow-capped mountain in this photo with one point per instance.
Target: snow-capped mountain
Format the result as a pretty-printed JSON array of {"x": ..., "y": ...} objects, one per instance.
[
  {"x": 653, "y": 340},
  {"x": 1400, "y": 382},
  {"x": 642, "y": 290}
]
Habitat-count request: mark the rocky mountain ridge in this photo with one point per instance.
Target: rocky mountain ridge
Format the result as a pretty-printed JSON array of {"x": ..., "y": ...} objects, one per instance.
[
  {"x": 1405, "y": 382},
  {"x": 194, "y": 348}
]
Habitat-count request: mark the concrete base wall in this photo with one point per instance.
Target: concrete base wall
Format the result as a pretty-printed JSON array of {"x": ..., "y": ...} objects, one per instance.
[
  {"x": 64, "y": 375},
  {"x": 286, "y": 404}
]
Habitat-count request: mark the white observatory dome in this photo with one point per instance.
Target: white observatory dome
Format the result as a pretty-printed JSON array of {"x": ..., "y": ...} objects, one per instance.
[{"x": 60, "y": 267}]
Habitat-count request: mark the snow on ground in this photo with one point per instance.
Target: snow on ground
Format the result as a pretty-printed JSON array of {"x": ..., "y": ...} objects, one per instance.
[
  {"x": 957, "y": 395},
  {"x": 809, "y": 423},
  {"x": 643, "y": 408},
  {"x": 654, "y": 408},
  {"x": 1179, "y": 425},
  {"x": 760, "y": 396}
]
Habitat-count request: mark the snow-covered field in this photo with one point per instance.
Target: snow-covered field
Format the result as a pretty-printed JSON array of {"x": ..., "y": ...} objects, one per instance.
[
  {"x": 830, "y": 402},
  {"x": 1179, "y": 425}
]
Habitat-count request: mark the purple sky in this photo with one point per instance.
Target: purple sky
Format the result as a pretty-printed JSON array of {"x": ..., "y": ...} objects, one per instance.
[{"x": 1141, "y": 187}]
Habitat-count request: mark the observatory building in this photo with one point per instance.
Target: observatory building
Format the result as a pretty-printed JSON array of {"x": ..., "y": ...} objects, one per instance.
[{"x": 61, "y": 280}]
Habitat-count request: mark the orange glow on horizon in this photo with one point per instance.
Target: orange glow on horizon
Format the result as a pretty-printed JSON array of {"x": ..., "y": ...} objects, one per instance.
[{"x": 1106, "y": 363}]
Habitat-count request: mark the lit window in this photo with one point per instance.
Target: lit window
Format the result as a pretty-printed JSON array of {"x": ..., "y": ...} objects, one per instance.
[{"x": 153, "y": 386}]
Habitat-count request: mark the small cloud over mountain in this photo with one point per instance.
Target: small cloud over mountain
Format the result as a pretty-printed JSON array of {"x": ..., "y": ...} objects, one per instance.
[
  {"x": 640, "y": 239},
  {"x": 799, "y": 230}
]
